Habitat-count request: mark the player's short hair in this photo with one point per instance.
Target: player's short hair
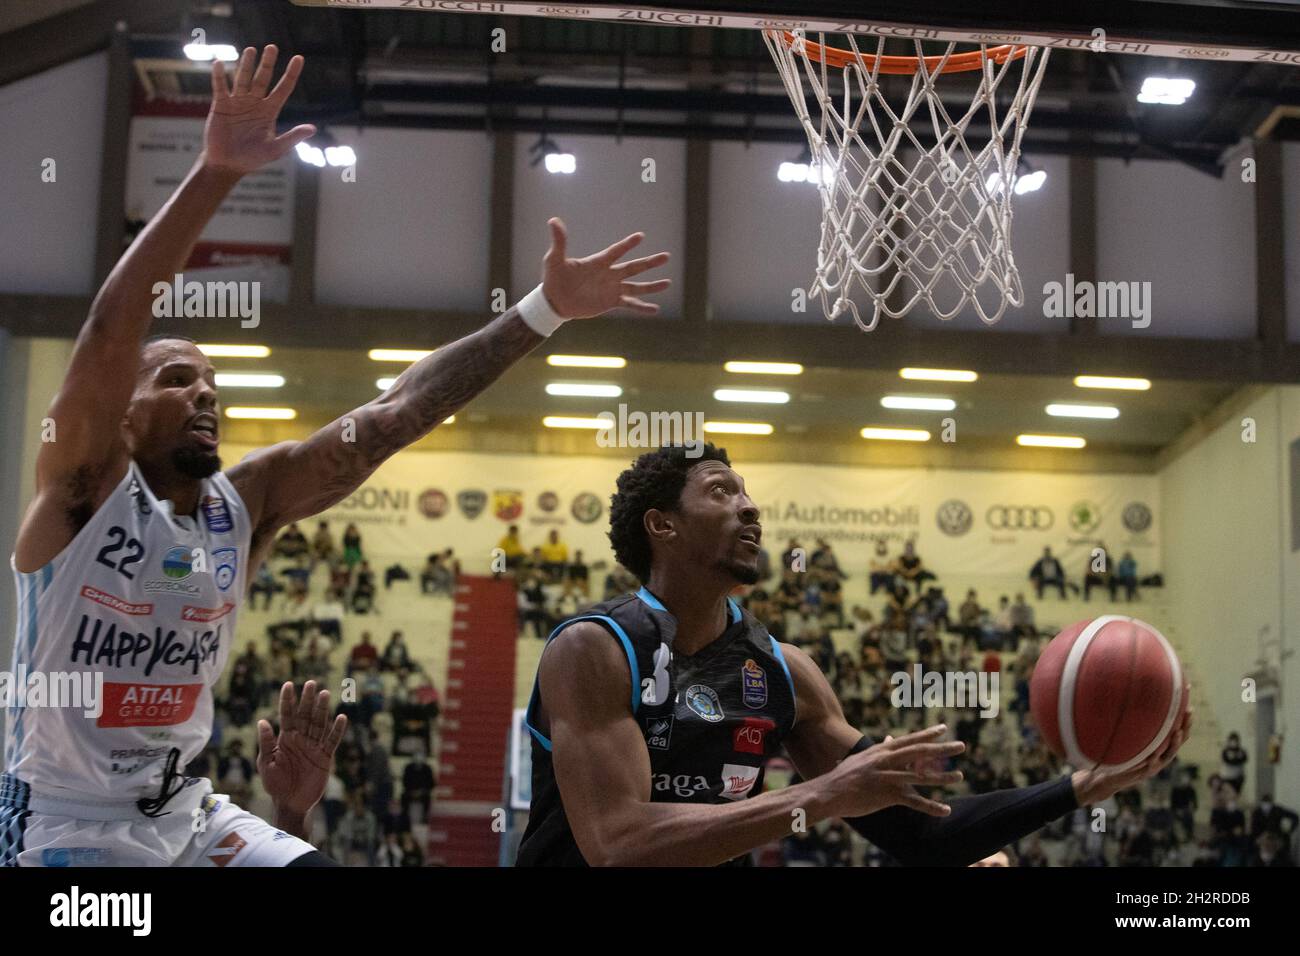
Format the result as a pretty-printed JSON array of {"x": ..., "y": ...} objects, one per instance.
[
  {"x": 655, "y": 480},
  {"x": 165, "y": 336}
]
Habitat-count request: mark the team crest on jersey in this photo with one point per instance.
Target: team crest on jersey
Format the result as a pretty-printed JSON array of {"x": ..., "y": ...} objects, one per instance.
[
  {"x": 658, "y": 732},
  {"x": 753, "y": 682},
  {"x": 216, "y": 514},
  {"x": 225, "y": 567},
  {"x": 178, "y": 563},
  {"x": 704, "y": 701}
]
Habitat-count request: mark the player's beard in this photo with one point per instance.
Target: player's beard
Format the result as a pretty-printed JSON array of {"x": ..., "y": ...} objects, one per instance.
[
  {"x": 743, "y": 573},
  {"x": 196, "y": 463}
]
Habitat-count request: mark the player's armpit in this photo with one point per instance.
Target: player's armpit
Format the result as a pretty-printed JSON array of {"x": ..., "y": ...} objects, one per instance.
[{"x": 601, "y": 763}]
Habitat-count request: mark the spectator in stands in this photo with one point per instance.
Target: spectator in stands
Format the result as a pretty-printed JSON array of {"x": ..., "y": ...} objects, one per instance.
[
  {"x": 298, "y": 575},
  {"x": 278, "y": 671},
  {"x": 1228, "y": 828},
  {"x": 1270, "y": 850},
  {"x": 555, "y": 555},
  {"x": 434, "y": 577},
  {"x": 334, "y": 802},
  {"x": 1126, "y": 577},
  {"x": 390, "y": 851},
  {"x": 531, "y": 602},
  {"x": 912, "y": 569},
  {"x": 619, "y": 581},
  {"x": 1002, "y": 626},
  {"x": 893, "y": 641},
  {"x": 881, "y": 570},
  {"x": 316, "y": 665},
  {"x": 263, "y": 583},
  {"x": 292, "y": 543},
  {"x": 938, "y": 608},
  {"x": 235, "y": 772},
  {"x": 900, "y": 601},
  {"x": 1268, "y": 817},
  {"x": 322, "y": 543},
  {"x": 418, "y": 781},
  {"x": 351, "y": 546},
  {"x": 340, "y": 577},
  {"x": 395, "y": 572},
  {"x": 395, "y": 820},
  {"x": 328, "y": 616},
  {"x": 1183, "y": 804},
  {"x": 357, "y": 837},
  {"x": 789, "y": 595},
  {"x": 411, "y": 855},
  {"x": 364, "y": 656},
  {"x": 395, "y": 655},
  {"x": 788, "y": 557},
  {"x": 1048, "y": 573},
  {"x": 452, "y": 564},
  {"x": 862, "y": 622},
  {"x": 1234, "y": 763},
  {"x": 363, "y": 592},
  {"x": 832, "y": 596},
  {"x": 1097, "y": 572},
  {"x": 968, "y": 616},
  {"x": 378, "y": 775},
  {"x": 824, "y": 557},
  {"x": 512, "y": 548},
  {"x": 1004, "y": 857},
  {"x": 1022, "y": 621},
  {"x": 579, "y": 574}
]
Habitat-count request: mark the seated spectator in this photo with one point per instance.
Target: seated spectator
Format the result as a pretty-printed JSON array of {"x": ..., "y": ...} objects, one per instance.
[
  {"x": 1270, "y": 850},
  {"x": 279, "y": 671},
  {"x": 862, "y": 622},
  {"x": 1048, "y": 573},
  {"x": 322, "y": 543},
  {"x": 363, "y": 592},
  {"x": 1126, "y": 577},
  {"x": 881, "y": 570},
  {"x": 900, "y": 601},
  {"x": 340, "y": 577},
  {"x": 578, "y": 573},
  {"x": 789, "y": 595},
  {"x": 390, "y": 851},
  {"x": 1268, "y": 817},
  {"x": 299, "y": 572},
  {"x": 264, "y": 583},
  {"x": 1183, "y": 804},
  {"x": 1228, "y": 828},
  {"x": 395, "y": 655},
  {"x": 938, "y": 607},
  {"x": 893, "y": 643},
  {"x": 555, "y": 555},
  {"x": 411, "y": 854},
  {"x": 433, "y": 578},
  {"x": 619, "y": 581},
  {"x": 364, "y": 656},
  {"x": 351, "y": 546},
  {"x": 823, "y": 557},
  {"x": 531, "y": 602},
  {"x": 512, "y": 548},
  {"x": 328, "y": 616},
  {"x": 1002, "y": 626},
  {"x": 292, "y": 543},
  {"x": 1097, "y": 572},
  {"x": 788, "y": 557},
  {"x": 968, "y": 616},
  {"x": 395, "y": 572},
  {"x": 832, "y": 597},
  {"x": 911, "y": 569},
  {"x": 418, "y": 782},
  {"x": 357, "y": 838},
  {"x": 1234, "y": 763},
  {"x": 245, "y": 690},
  {"x": 1022, "y": 621},
  {"x": 316, "y": 665}
]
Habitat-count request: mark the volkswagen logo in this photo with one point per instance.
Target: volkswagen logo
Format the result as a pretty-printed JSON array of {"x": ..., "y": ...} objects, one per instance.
[
  {"x": 1137, "y": 517},
  {"x": 1018, "y": 518},
  {"x": 954, "y": 517}
]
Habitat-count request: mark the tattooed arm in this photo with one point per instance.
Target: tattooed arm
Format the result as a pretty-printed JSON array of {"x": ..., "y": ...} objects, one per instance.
[{"x": 294, "y": 480}]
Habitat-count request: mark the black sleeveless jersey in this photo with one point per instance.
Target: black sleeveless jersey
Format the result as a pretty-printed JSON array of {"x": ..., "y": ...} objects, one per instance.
[{"x": 710, "y": 721}]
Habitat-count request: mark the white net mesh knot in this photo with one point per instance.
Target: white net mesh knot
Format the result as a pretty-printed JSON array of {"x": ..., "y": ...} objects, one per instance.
[{"x": 905, "y": 221}]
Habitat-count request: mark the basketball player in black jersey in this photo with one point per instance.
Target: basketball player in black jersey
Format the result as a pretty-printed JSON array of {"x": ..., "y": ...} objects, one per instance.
[{"x": 654, "y": 713}]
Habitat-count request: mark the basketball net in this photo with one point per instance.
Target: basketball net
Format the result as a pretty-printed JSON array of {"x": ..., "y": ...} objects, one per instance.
[{"x": 903, "y": 220}]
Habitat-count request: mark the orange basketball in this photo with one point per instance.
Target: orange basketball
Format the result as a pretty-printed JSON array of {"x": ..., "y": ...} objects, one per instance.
[{"x": 1108, "y": 692}]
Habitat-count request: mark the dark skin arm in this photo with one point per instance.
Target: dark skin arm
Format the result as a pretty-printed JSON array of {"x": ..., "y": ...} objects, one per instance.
[
  {"x": 821, "y": 738},
  {"x": 603, "y": 771},
  {"x": 295, "y": 480}
]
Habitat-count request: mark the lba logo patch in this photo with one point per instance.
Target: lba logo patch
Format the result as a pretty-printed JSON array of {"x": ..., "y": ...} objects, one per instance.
[
  {"x": 658, "y": 732},
  {"x": 216, "y": 513},
  {"x": 753, "y": 682},
  {"x": 748, "y": 738},
  {"x": 704, "y": 701},
  {"x": 737, "y": 781}
]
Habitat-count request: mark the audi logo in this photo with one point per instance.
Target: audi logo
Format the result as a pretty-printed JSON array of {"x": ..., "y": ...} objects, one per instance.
[{"x": 1014, "y": 518}]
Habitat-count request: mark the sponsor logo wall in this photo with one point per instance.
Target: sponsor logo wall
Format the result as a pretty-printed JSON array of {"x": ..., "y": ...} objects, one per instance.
[{"x": 963, "y": 522}]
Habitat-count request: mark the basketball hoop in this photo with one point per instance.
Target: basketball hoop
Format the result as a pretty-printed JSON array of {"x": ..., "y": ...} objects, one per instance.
[{"x": 941, "y": 219}]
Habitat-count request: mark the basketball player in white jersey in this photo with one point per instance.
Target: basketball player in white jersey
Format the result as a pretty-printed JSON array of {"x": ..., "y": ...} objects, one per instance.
[{"x": 132, "y": 560}]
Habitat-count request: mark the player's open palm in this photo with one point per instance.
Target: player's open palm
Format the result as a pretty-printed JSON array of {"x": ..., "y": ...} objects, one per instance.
[
  {"x": 585, "y": 288},
  {"x": 240, "y": 132},
  {"x": 295, "y": 764},
  {"x": 888, "y": 774}
]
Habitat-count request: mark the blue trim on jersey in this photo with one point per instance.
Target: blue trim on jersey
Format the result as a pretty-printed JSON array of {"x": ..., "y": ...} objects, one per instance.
[
  {"x": 735, "y": 610},
  {"x": 650, "y": 599},
  {"x": 776, "y": 649},
  {"x": 631, "y": 663}
]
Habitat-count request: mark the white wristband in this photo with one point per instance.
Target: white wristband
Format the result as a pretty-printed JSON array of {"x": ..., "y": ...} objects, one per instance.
[{"x": 538, "y": 314}]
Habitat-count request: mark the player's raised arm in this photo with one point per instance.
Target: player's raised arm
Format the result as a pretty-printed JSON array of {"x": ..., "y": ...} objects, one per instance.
[
  {"x": 295, "y": 480},
  {"x": 602, "y": 769},
  {"x": 87, "y": 456}
]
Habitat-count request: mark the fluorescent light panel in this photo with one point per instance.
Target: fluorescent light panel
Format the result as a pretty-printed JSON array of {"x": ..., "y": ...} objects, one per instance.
[
  {"x": 586, "y": 361},
  {"x": 760, "y": 396},
  {"x": 763, "y": 368},
  {"x": 265, "y": 413},
  {"x": 1050, "y": 441},
  {"x": 583, "y": 389},
  {"x": 918, "y": 403},
  {"x": 249, "y": 380},
  {"x": 398, "y": 355},
  {"x": 895, "y": 434},
  {"x": 937, "y": 374},
  {"x": 233, "y": 351},
  {"x": 1061, "y": 410},
  {"x": 1111, "y": 381},
  {"x": 738, "y": 428}
]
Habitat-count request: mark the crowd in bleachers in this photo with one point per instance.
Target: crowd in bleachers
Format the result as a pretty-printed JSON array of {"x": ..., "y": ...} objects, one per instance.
[{"x": 315, "y": 594}]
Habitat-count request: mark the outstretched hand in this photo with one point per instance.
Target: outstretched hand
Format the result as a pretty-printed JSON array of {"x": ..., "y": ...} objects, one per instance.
[
  {"x": 295, "y": 765},
  {"x": 586, "y": 288},
  {"x": 239, "y": 136}
]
